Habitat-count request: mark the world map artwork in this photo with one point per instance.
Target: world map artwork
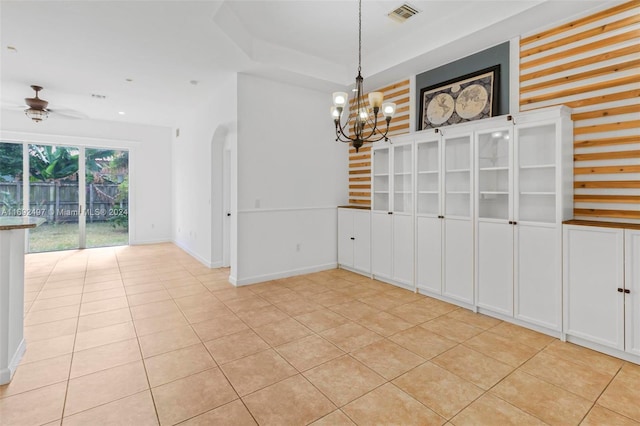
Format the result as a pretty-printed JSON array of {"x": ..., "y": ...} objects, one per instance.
[{"x": 464, "y": 100}]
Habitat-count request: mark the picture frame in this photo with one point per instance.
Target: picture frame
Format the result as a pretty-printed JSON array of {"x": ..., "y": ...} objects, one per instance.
[{"x": 473, "y": 96}]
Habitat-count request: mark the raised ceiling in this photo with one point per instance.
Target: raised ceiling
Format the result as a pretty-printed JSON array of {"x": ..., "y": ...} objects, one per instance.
[{"x": 174, "y": 51}]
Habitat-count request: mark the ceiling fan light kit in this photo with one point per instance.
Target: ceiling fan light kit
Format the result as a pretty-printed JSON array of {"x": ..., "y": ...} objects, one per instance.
[
  {"x": 37, "y": 110},
  {"x": 365, "y": 122}
]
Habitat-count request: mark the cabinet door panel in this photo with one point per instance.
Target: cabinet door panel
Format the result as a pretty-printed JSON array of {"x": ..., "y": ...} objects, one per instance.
[
  {"x": 495, "y": 267},
  {"x": 632, "y": 299},
  {"x": 345, "y": 232},
  {"x": 458, "y": 260},
  {"x": 429, "y": 256},
  {"x": 362, "y": 243},
  {"x": 539, "y": 283},
  {"x": 594, "y": 270},
  {"x": 381, "y": 240},
  {"x": 403, "y": 249}
]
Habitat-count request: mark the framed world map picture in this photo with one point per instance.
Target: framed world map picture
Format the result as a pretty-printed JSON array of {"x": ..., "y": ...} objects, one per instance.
[{"x": 469, "y": 97}]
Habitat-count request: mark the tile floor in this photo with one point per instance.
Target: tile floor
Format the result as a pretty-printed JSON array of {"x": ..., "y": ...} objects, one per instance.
[{"x": 147, "y": 335}]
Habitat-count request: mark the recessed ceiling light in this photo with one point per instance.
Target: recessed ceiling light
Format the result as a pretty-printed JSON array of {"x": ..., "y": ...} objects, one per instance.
[
  {"x": 194, "y": 82},
  {"x": 12, "y": 49},
  {"x": 128, "y": 79},
  {"x": 121, "y": 112}
]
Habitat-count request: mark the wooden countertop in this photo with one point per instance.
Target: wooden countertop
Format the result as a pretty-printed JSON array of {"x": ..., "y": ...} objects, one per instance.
[
  {"x": 355, "y": 207},
  {"x": 8, "y": 223},
  {"x": 602, "y": 224}
]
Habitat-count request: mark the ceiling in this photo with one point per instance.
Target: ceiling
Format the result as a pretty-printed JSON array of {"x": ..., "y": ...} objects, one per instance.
[{"x": 155, "y": 61}]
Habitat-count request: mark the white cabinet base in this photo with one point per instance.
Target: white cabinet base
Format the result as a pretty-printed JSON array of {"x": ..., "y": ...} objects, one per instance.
[{"x": 604, "y": 349}]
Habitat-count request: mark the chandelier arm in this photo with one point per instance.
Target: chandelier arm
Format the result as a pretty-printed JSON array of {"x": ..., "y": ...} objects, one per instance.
[{"x": 340, "y": 133}]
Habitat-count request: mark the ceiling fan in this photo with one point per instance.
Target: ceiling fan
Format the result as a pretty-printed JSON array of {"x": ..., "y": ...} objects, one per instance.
[{"x": 37, "y": 109}]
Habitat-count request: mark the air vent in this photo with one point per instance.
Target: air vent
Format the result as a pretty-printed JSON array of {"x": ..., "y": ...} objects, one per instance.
[
  {"x": 403, "y": 13},
  {"x": 97, "y": 96}
]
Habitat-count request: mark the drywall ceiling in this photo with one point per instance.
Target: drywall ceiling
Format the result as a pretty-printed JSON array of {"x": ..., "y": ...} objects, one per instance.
[{"x": 155, "y": 61}]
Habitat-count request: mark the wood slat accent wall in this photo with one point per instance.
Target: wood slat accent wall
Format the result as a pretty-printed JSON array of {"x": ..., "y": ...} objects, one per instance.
[
  {"x": 592, "y": 65},
  {"x": 360, "y": 163}
]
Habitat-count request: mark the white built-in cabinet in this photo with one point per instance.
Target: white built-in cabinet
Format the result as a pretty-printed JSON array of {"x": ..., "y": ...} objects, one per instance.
[
  {"x": 392, "y": 227},
  {"x": 602, "y": 285},
  {"x": 523, "y": 193},
  {"x": 444, "y": 221},
  {"x": 354, "y": 239}
]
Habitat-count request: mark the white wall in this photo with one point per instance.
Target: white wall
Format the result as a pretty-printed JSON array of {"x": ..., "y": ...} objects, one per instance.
[
  {"x": 197, "y": 173},
  {"x": 150, "y": 162},
  {"x": 291, "y": 174}
]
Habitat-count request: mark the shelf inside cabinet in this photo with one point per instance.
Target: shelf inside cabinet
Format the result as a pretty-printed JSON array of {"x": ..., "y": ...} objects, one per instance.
[
  {"x": 539, "y": 166},
  {"x": 458, "y": 170},
  {"x": 494, "y": 192},
  {"x": 428, "y": 192},
  {"x": 537, "y": 193},
  {"x": 494, "y": 168},
  {"x": 382, "y": 174},
  {"x": 427, "y": 172}
]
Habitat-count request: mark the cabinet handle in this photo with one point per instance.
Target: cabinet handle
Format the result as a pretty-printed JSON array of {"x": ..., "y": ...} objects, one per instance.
[
  {"x": 510, "y": 222},
  {"x": 352, "y": 238},
  {"x": 627, "y": 291},
  {"x": 620, "y": 290},
  {"x": 389, "y": 212},
  {"x": 515, "y": 223}
]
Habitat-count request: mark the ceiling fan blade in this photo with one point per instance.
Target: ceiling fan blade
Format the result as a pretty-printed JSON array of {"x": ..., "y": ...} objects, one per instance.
[{"x": 69, "y": 113}]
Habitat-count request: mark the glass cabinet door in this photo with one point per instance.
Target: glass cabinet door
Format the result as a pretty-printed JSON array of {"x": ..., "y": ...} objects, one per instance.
[
  {"x": 381, "y": 179},
  {"x": 493, "y": 175},
  {"x": 457, "y": 175},
  {"x": 536, "y": 174},
  {"x": 428, "y": 175},
  {"x": 402, "y": 183}
]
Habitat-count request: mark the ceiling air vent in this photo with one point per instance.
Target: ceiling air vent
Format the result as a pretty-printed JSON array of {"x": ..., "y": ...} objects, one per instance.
[{"x": 403, "y": 13}]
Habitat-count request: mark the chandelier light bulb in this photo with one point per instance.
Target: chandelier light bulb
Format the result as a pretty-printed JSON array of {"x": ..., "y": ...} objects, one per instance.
[
  {"x": 335, "y": 114},
  {"x": 389, "y": 109},
  {"x": 375, "y": 99},
  {"x": 340, "y": 99}
]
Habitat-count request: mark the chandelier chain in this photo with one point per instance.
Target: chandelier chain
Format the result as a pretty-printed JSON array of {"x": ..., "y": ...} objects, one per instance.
[{"x": 359, "y": 36}]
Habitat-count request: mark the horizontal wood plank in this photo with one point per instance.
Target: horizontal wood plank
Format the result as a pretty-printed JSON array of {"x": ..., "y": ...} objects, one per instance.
[
  {"x": 359, "y": 194},
  {"x": 360, "y": 186},
  {"x": 607, "y": 127},
  {"x": 613, "y": 155},
  {"x": 360, "y": 156},
  {"x": 360, "y": 202},
  {"x": 612, "y": 199},
  {"x": 605, "y": 170},
  {"x": 617, "y": 140},
  {"x": 580, "y": 22},
  {"x": 360, "y": 172},
  {"x": 608, "y": 84},
  {"x": 620, "y": 184},
  {"x": 362, "y": 149},
  {"x": 363, "y": 164},
  {"x": 360, "y": 179},
  {"x": 608, "y": 112},
  {"x": 620, "y": 214}
]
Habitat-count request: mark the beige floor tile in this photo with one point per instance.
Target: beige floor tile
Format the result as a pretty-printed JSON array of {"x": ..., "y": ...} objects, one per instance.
[
  {"x": 245, "y": 304},
  {"x": 477, "y": 368},
  {"x": 101, "y": 277},
  {"x": 103, "y": 305},
  {"x": 331, "y": 298},
  {"x": 623, "y": 394},
  {"x": 198, "y": 314},
  {"x": 261, "y": 316},
  {"x": 489, "y": 410},
  {"x": 192, "y": 395},
  {"x": 148, "y": 297},
  {"x": 105, "y": 386},
  {"x": 105, "y": 335},
  {"x": 50, "y": 348},
  {"x": 545, "y": 401},
  {"x": 471, "y": 318},
  {"x": 234, "y": 346},
  {"x": 344, "y": 379},
  {"x": 219, "y": 326},
  {"x": 298, "y": 306},
  {"x": 354, "y": 310},
  {"x": 107, "y": 285},
  {"x": 189, "y": 290},
  {"x": 583, "y": 356},
  {"x": 111, "y": 293},
  {"x": 103, "y": 319},
  {"x": 381, "y": 302},
  {"x": 414, "y": 312},
  {"x": 501, "y": 348},
  {"x": 576, "y": 378},
  {"x": 231, "y": 414},
  {"x": 599, "y": 416},
  {"x": 308, "y": 352},
  {"x": 452, "y": 329},
  {"x": 289, "y": 402},
  {"x": 442, "y": 391},
  {"x": 279, "y": 295},
  {"x": 351, "y": 336},
  {"x": 257, "y": 371},
  {"x": 104, "y": 357},
  {"x": 37, "y": 375},
  {"x": 143, "y": 288},
  {"x": 321, "y": 320},
  {"x": 388, "y": 405},
  {"x": 49, "y": 330},
  {"x": 422, "y": 342},
  {"x": 384, "y": 323},
  {"x": 58, "y": 292},
  {"x": 522, "y": 335},
  {"x": 136, "y": 410},
  {"x": 160, "y": 323},
  {"x": 36, "y": 407},
  {"x": 154, "y": 309},
  {"x": 48, "y": 315},
  {"x": 388, "y": 359},
  {"x": 336, "y": 418},
  {"x": 284, "y": 331},
  {"x": 177, "y": 364},
  {"x": 55, "y": 302},
  {"x": 167, "y": 341},
  {"x": 235, "y": 293}
]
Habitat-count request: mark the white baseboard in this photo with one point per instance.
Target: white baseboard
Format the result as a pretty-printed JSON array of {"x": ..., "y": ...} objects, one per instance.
[
  {"x": 7, "y": 373},
  {"x": 284, "y": 274},
  {"x": 154, "y": 241},
  {"x": 196, "y": 256}
]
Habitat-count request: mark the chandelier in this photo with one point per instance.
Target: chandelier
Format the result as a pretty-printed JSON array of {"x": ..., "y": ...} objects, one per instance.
[{"x": 365, "y": 122}]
